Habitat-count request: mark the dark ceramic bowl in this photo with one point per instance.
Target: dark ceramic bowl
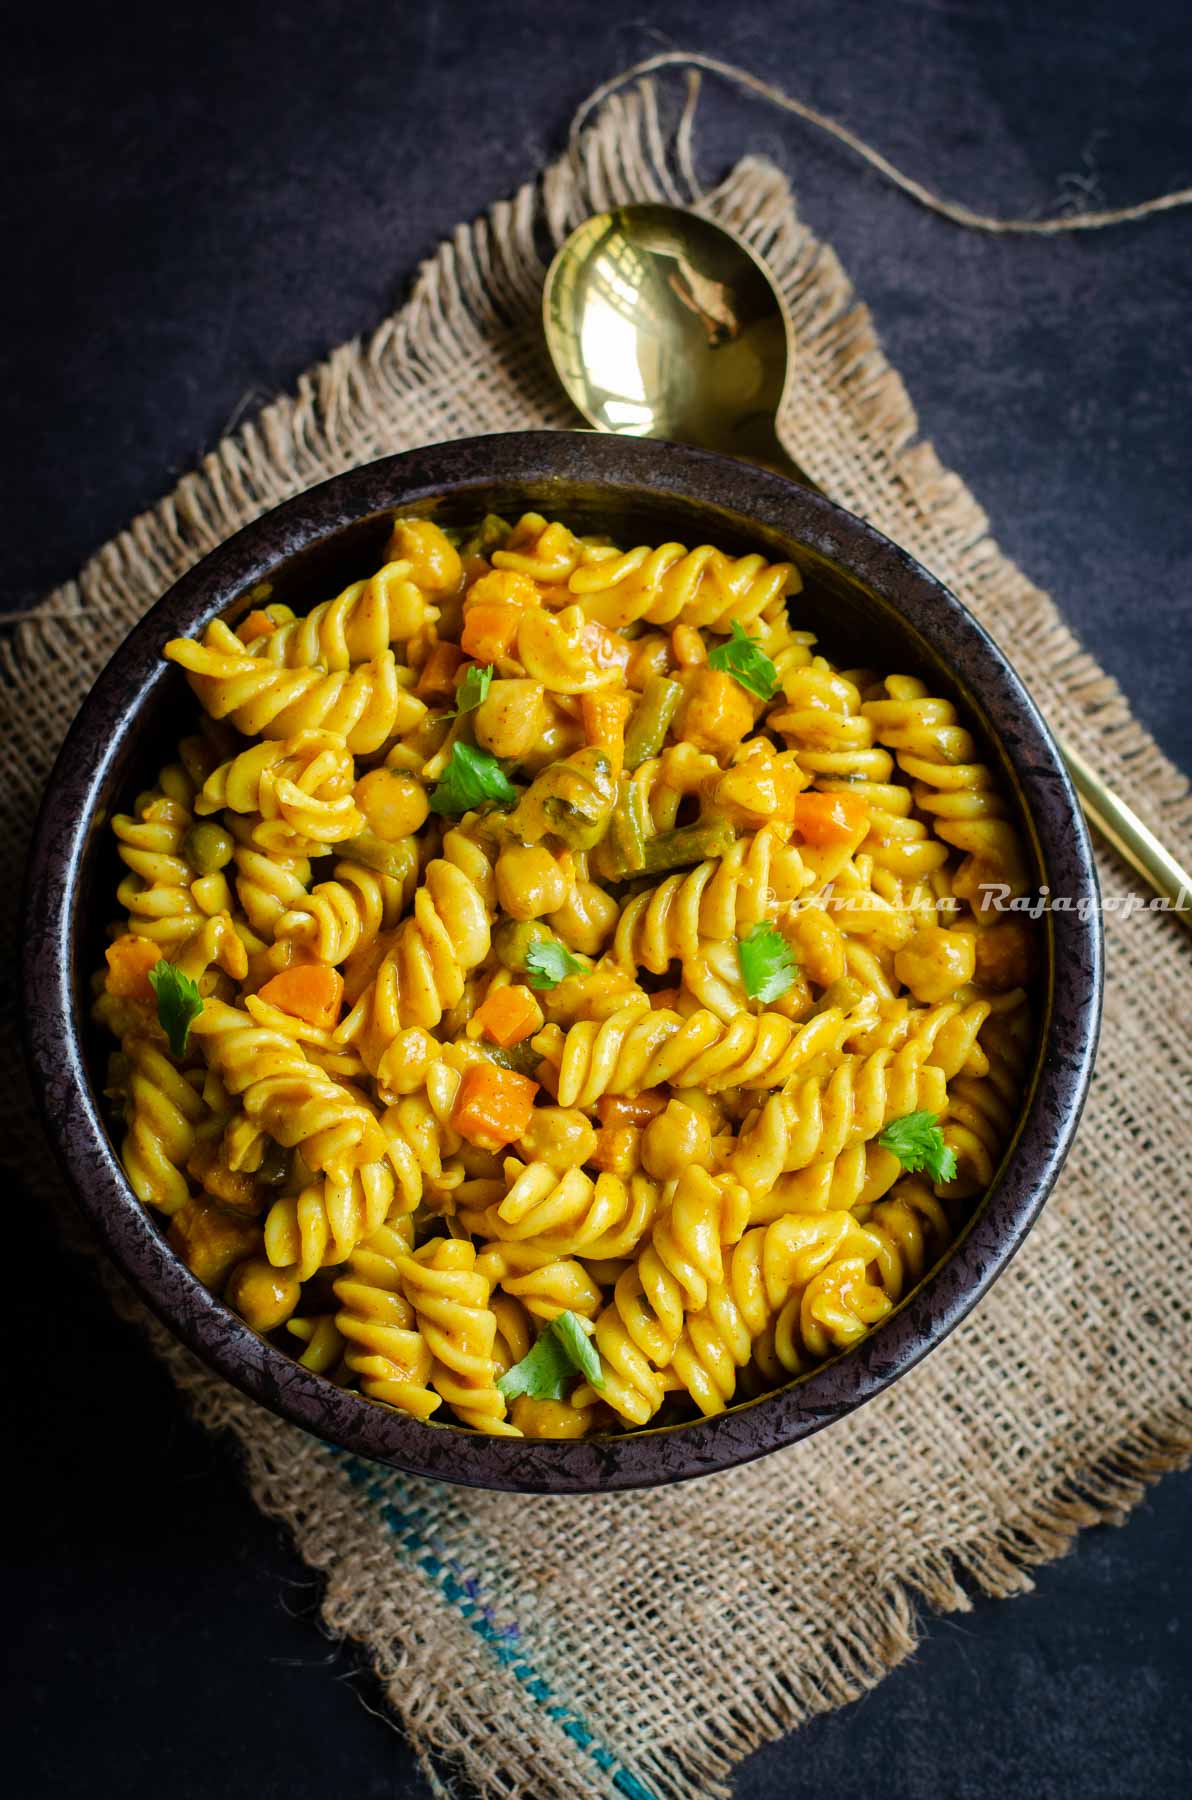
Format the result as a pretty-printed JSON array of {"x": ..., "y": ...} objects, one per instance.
[{"x": 865, "y": 597}]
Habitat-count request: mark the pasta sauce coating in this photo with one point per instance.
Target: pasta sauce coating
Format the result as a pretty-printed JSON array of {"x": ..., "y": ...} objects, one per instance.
[{"x": 550, "y": 996}]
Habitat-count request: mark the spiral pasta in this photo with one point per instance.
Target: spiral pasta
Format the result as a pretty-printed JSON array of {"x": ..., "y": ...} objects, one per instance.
[
  {"x": 450, "y": 1297},
  {"x": 365, "y": 705},
  {"x": 300, "y": 788},
  {"x": 554, "y": 998},
  {"x": 385, "y": 1350}
]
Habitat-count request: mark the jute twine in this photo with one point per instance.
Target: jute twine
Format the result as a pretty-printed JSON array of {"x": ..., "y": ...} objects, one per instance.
[{"x": 641, "y": 1644}]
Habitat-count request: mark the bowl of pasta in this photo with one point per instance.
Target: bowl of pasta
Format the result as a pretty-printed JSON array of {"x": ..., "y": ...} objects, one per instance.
[{"x": 533, "y": 965}]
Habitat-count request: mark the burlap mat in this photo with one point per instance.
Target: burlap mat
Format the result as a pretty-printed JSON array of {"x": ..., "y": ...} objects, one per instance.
[{"x": 641, "y": 1644}]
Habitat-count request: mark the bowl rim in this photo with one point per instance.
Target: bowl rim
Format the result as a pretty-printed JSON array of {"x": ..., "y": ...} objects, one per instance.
[{"x": 649, "y": 1457}]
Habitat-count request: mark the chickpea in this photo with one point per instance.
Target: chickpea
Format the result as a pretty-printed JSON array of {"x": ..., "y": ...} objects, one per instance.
[
  {"x": 548, "y": 1418},
  {"x": 433, "y": 559},
  {"x": 264, "y": 1296},
  {"x": 677, "y": 1139},
  {"x": 688, "y": 647},
  {"x": 511, "y": 718},
  {"x": 651, "y": 655},
  {"x": 818, "y": 944},
  {"x": 1005, "y": 956},
  {"x": 529, "y": 881},
  {"x": 404, "y": 1067},
  {"x": 935, "y": 963},
  {"x": 586, "y": 918},
  {"x": 558, "y": 1135},
  {"x": 207, "y": 848},
  {"x": 394, "y": 805}
]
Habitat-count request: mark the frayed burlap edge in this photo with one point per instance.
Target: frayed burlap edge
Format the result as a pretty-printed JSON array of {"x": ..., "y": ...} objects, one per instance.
[{"x": 489, "y": 276}]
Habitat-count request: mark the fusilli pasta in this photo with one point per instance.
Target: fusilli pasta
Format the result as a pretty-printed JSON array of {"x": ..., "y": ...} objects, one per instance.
[{"x": 543, "y": 941}]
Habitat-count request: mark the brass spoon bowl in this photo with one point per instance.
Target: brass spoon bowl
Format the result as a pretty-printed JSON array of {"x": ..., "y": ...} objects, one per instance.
[{"x": 662, "y": 324}]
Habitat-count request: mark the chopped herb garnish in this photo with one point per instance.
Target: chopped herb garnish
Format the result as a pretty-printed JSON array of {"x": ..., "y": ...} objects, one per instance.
[
  {"x": 747, "y": 663},
  {"x": 549, "y": 963},
  {"x": 472, "y": 778},
  {"x": 918, "y": 1143},
  {"x": 471, "y": 690},
  {"x": 179, "y": 1003},
  {"x": 768, "y": 966},
  {"x": 548, "y": 1371}
]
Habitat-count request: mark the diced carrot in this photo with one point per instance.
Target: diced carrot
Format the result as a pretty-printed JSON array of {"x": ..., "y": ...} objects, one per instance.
[
  {"x": 437, "y": 680},
  {"x": 506, "y": 587},
  {"x": 129, "y": 961},
  {"x": 256, "y": 625},
  {"x": 688, "y": 647},
  {"x": 508, "y": 1015},
  {"x": 493, "y": 1106},
  {"x": 489, "y": 630},
  {"x": 830, "y": 818},
  {"x": 717, "y": 712},
  {"x": 664, "y": 999},
  {"x": 607, "y": 649},
  {"x": 310, "y": 991},
  {"x": 605, "y": 717},
  {"x": 635, "y": 1109}
]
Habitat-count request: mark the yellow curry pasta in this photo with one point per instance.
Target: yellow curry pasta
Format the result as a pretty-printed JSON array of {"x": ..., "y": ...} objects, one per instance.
[{"x": 551, "y": 997}]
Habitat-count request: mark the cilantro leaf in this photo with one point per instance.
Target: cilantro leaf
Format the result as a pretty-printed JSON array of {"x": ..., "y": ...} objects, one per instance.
[
  {"x": 548, "y": 1371},
  {"x": 549, "y": 963},
  {"x": 179, "y": 1003},
  {"x": 918, "y": 1143},
  {"x": 747, "y": 663},
  {"x": 471, "y": 690},
  {"x": 471, "y": 777},
  {"x": 768, "y": 966}
]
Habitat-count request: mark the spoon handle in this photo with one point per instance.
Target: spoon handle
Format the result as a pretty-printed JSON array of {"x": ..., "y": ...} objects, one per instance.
[{"x": 1121, "y": 827}]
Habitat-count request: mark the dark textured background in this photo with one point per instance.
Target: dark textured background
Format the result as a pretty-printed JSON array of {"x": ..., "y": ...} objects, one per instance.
[{"x": 197, "y": 203}]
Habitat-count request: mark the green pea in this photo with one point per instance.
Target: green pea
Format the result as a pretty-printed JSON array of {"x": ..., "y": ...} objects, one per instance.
[
  {"x": 513, "y": 939},
  {"x": 207, "y": 848}
]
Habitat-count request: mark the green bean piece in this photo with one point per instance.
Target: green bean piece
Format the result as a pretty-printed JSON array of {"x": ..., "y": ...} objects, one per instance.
[
  {"x": 513, "y": 939},
  {"x": 687, "y": 844},
  {"x": 275, "y": 1166},
  {"x": 623, "y": 851},
  {"x": 518, "y": 1057},
  {"x": 207, "y": 848},
  {"x": 651, "y": 720}
]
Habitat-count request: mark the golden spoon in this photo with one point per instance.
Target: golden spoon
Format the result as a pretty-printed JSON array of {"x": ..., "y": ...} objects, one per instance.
[{"x": 662, "y": 324}]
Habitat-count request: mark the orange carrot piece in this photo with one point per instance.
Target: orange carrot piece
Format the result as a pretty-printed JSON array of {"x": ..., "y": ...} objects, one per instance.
[
  {"x": 310, "y": 991},
  {"x": 508, "y": 1015},
  {"x": 489, "y": 630},
  {"x": 636, "y": 1109},
  {"x": 437, "y": 680},
  {"x": 493, "y": 1106},
  {"x": 256, "y": 625},
  {"x": 129, "y": 961},
  {"x": 605, "y": 717},
  {"x": 830, "y": 818}
]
